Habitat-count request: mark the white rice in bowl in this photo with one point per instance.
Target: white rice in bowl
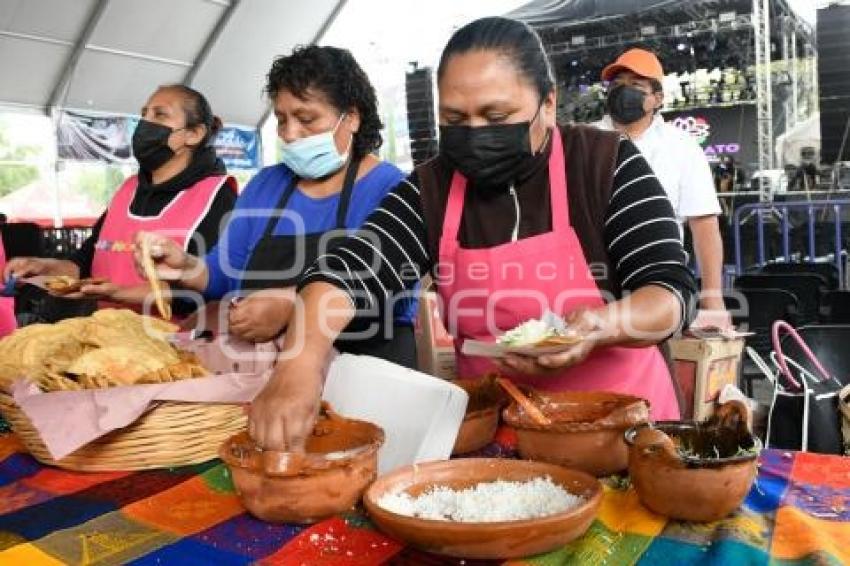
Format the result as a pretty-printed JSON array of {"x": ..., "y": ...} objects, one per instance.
[{"x": 486, "y": 502}]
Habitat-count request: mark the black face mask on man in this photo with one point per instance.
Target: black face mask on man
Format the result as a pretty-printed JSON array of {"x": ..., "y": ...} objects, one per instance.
[
  {"x": 150, "y": 145},
  {"x": 489, "y": 156},
  {"x": 625, "y": 104}
]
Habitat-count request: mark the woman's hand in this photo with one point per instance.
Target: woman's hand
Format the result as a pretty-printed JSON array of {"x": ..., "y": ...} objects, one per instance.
[
  {"x": 33, "y": 266},
  {"x": 171, "y": 262},
  {"x": 586, "y": 323},
  {"x": 282, "y": 416},
  {"x": 261, "y": 316},
  {"x": 169, "y": 259},
  {"x": 645, "y": 317}
]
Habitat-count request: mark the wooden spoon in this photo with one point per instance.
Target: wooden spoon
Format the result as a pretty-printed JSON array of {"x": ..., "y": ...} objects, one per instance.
[{"x": 536, "y": 414}]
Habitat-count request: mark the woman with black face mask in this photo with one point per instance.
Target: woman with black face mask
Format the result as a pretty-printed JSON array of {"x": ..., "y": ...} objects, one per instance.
[
  {"x": 516, "y": 215},
  {"x": 182, "y": 189}
]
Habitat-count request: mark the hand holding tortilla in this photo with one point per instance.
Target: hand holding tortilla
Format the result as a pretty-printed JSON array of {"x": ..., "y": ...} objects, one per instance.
[
  {"x": 549, "y": 334},
  {"x": 585, "y": 334},
  {"x": 167, "y": 258},
  {"x": 150, "y": 272},
  {"x": 67, "y": 286}
]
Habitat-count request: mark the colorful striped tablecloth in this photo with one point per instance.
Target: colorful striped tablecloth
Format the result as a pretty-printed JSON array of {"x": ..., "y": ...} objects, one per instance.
[{"x": 798, "y": 512}]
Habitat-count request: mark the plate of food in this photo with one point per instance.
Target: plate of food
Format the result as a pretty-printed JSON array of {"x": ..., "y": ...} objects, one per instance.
[
  {"x": 484, "y": 508},
  {"x": 547, "y": 335}
]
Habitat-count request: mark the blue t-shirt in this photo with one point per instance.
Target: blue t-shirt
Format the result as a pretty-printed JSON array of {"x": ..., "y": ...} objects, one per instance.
[{"x": 305, "y": 215}]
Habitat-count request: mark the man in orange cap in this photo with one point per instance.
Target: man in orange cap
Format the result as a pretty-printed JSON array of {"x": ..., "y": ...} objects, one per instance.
[{"x": 633, "y": 105}]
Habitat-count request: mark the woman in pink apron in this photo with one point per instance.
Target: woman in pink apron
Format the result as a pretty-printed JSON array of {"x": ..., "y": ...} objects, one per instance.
[
  {"x": 182, "y": 190},
  {"x": 7, "y": 304},
  {"x": 515, "y": 216}
]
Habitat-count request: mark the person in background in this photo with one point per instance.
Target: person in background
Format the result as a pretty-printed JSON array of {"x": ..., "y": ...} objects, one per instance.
[
  {"x": 7, "y": 304},
  {"x": 291, "y": 213},
  {"x": 633, "y": 105},
  {"x": 516, "y": 215},
  {"x": 182, "y": 189}
]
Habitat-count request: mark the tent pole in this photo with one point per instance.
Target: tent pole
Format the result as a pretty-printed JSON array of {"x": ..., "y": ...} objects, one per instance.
[
  {"x": 60, "y": 89},
  {"x": 212, "y": 39}
]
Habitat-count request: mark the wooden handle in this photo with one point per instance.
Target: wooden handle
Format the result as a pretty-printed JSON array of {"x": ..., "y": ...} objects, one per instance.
[{"x": 536, "y": 414}]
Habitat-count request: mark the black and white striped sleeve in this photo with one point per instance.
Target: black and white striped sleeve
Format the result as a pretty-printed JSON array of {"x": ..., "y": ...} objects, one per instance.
[
  {"x": 384, "y": 259},
  {"x": 642, "y": 233}
]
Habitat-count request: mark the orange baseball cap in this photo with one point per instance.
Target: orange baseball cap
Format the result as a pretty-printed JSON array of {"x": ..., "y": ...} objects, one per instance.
[{"x": 638, "y": 61}]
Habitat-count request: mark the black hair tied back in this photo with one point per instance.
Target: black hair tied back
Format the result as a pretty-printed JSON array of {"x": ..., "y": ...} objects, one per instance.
[{"x": 512, "y": 38}]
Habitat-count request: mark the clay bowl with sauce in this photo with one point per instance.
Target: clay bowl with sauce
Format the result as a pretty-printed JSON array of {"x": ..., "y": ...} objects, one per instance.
[
  {"x": 486, "y": 400},
  {"x": 484, "y": 540},
  {"x": 340, "y": 462},
  {"x": 690, "y": 471},
  {"x": 586, "y": 430}
]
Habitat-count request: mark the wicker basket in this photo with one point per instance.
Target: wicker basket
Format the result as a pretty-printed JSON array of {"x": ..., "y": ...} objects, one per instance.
[{"x": 169, "y": 434}]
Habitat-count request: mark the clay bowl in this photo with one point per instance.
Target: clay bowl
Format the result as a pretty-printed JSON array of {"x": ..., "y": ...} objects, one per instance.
[
  {"x": 478, "y": 429},
  {"x": 496, "y": 540},
  {"x": 706, "y": 485},
  {"x": 341, "y": 460},
  {"x": 586, "y": 432}
]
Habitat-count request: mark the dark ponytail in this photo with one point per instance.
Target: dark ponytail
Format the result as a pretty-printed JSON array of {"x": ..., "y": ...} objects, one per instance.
[
  {"x": 515, "y": 39},
  {"x": 198, "y": 112}
]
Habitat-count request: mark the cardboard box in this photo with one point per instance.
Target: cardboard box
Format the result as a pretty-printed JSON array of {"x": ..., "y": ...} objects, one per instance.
[
  {"x": 434, "y": 345},
  {"x": 703, "y": 367}
]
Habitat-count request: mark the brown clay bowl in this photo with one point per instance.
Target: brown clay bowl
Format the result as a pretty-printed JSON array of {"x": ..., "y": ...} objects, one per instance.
[
  {"x": 497, "y": 540},
  {"x": 341, "y": 460},
  {"x": 478, "y": 429},
  {"x": 586, "y": 432},
  {"x": 705, "y": 486}
]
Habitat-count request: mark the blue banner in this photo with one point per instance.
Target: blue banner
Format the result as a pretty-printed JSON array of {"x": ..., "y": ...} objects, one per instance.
[{"x": 239, "y": 148}]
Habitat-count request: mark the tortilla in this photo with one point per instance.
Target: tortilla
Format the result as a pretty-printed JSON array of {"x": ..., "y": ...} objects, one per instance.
[
  {"x": 156, "y": 285},
  {"x": 564, "y": 340},
  {"x": 65, "y": 285},
  {"x": 112, "y": 347}
]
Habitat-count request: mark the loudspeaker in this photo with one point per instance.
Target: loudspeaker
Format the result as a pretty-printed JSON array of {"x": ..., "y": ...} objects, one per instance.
[
  {"x": 833, "y": 24},
  {"x": 421, "y": 123}
]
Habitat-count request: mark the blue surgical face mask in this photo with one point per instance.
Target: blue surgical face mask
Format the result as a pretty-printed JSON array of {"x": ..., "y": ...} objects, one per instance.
[{"x": 315, "y": 156}]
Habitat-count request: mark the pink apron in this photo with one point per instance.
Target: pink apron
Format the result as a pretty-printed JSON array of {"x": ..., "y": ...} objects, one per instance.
[
  {"x": 495, "y": 289},
  {"x": 7, "y": 304},
  {"x": 113, "y": 256}
]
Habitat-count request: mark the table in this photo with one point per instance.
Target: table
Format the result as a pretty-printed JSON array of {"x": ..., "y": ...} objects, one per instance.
[{"x": 798, "y": 512}]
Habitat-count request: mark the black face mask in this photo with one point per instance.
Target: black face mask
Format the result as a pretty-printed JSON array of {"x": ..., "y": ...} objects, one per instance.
[
  {"x": 490, "y": 157},
  {"x": 150, "y": 145},
  {"x": 625, "y": 104}
]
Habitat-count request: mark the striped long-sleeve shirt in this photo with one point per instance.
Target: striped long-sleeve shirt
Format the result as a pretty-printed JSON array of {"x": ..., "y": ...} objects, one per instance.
[{"x": 398, "y": 242}]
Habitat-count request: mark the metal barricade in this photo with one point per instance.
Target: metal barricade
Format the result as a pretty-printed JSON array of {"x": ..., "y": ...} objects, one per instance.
[{"x": 780, "y": 210}]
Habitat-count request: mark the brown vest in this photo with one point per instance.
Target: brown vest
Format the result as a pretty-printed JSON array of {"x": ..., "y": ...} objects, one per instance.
[{"x": 591, "y": 157}]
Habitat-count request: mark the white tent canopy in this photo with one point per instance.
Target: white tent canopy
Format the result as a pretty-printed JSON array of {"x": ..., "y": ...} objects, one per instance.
[{"x": 109, "y": 55}]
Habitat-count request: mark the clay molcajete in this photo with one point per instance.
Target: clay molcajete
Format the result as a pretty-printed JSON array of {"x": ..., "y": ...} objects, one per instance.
[
  {"x": 486, "y": 400},
  {"x": 586, "y": 431},
  {"x": 340, "y": 462},
  {"x": 694, "y": 471}
]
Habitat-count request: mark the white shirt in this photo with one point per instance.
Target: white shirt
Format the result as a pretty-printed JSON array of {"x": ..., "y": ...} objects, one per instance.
[{"x": 680, "y": 165}]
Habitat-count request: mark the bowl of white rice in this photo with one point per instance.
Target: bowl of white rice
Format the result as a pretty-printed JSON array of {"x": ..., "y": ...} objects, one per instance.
[{"x": 484, "y": 508}]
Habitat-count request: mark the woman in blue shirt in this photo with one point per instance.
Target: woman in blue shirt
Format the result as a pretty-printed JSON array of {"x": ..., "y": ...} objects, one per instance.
[{"x": 292, "y": 213}]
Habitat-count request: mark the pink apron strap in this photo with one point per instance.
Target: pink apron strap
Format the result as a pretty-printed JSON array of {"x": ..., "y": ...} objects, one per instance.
[
  {"x": 454, "y": 208},
  {"x": 558, "y": 184}
]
